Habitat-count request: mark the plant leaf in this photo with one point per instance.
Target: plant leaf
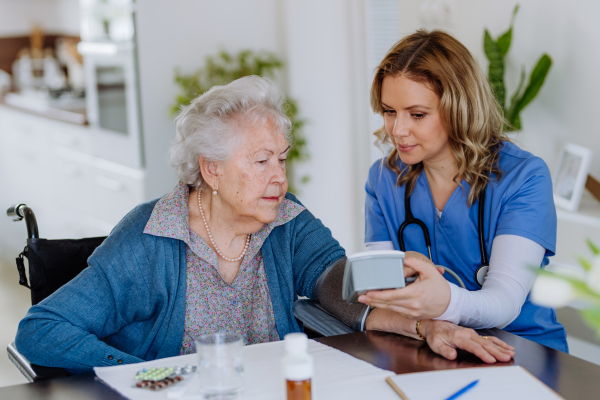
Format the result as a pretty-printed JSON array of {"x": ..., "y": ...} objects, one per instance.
[
  {"x": 582, "y": 289},
  {"x": 510, "y": 114},
  {"x": 584, "y": 263},
  {"x": 536, "y": 80},
  {"x": 514, "y": 14},
  {"x": 496, "y": 68},
  {"x": 505, "y": 39},
  {"x": 517, "y": 122},
  {"x": 592, "y": 317},
  {"x": 515, "y": 11},
  {"x": 592, "y": 246}
]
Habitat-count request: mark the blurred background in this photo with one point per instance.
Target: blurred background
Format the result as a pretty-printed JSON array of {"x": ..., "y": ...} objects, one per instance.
[{"x": 88, "y": 89}]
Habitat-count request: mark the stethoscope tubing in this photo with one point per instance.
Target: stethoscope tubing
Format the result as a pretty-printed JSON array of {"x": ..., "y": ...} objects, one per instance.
[{"x": 410, "y": 219}]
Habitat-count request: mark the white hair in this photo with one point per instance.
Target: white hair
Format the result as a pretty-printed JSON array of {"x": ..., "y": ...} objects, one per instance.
[{"x": 211, "y": 125}]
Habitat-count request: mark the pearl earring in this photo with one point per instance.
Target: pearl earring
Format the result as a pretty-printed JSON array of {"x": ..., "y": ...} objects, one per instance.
[{"x": 214, "y": 192}]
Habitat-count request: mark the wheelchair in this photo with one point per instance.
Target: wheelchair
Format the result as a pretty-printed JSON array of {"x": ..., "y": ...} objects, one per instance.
[{"x": 53, "y": 263}]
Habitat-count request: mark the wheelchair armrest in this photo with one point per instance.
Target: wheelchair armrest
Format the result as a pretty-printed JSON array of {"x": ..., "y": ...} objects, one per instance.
[
  {"x": 32, "y": 372},
  {"x": 317, "y": 319}
]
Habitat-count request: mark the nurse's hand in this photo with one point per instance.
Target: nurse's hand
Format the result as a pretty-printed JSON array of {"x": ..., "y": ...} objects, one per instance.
[
  {"x": 428, "y": 297},
  {"x": 408, "y": 271}
]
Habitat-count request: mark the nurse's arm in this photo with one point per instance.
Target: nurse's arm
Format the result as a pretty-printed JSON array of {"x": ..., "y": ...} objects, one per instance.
[
  {"x": 505, "y": 289},
  {"x": 442, "y": 337}
]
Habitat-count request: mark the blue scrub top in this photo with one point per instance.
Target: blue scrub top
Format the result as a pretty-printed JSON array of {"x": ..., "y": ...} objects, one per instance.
[{"x": 520, "y": 203}]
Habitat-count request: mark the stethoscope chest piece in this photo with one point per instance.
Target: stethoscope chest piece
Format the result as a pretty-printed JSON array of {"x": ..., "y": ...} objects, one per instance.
[{"x": 480, "y": 274}]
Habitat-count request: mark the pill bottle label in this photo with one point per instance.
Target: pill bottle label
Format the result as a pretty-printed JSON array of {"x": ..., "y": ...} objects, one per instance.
[{"x": 299, "y": 390}]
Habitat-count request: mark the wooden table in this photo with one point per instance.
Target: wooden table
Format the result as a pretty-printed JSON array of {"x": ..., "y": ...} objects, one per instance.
[{"x": 571, "y": 377}]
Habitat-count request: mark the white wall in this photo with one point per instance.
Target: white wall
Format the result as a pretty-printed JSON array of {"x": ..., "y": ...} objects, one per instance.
[
  {"x": 323, "y": 43},
  {"x": 17, "y": 17},
  {"x": 567, "y": 105},
  {"x": 317, "y": 39},
  {"x": 181, "y": 34},
  {"x": 326, "y": 57}
]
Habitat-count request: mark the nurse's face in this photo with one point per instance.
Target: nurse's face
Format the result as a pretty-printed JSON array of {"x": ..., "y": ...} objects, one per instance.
[{"x": 413, "y": 122}]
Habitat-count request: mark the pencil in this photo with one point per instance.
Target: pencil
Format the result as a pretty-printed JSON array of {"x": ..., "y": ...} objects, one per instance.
[{"x": 396, "y": 388}]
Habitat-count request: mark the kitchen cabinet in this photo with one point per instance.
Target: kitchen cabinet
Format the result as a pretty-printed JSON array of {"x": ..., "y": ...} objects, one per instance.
[{"x": 52, "y": 166}]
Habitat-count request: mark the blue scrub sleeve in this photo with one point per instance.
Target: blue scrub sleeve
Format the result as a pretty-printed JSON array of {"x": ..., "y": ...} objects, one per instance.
[
  {"x": 529, "y": 208},
  {"x": 375, "y": 227}
]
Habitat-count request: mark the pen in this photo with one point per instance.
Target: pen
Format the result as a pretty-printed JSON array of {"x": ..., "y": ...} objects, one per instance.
[{"x": 463, "y": 390}]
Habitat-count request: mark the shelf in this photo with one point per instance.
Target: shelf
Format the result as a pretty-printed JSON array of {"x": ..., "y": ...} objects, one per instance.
[
  {"x": 588, "y": 213},
  {"x": 24, "y": 104}
]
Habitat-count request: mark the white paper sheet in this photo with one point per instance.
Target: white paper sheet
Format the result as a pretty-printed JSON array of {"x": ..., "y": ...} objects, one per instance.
[
  {"x": 337, "y": 375},
  {"x": 501, "y": 383}
]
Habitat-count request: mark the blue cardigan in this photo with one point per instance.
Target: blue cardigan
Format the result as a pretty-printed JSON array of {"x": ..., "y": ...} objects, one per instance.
[{"x": 128, "y": 305}]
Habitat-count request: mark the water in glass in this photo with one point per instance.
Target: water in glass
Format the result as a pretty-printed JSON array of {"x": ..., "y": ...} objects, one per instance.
[{"x": 220, "y": 365}]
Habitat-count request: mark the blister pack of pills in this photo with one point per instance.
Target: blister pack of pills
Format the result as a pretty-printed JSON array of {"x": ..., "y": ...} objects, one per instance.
[{"x": 161, "y": 378}]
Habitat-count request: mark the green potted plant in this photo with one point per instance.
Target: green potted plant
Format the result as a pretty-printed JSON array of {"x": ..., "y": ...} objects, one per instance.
[
  {"x": 496, "y": 51},
  {"x": 224, "y": 68}
]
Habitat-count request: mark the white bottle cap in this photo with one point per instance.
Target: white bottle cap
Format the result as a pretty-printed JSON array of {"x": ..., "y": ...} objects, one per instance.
[
  {"x": 296, "y": 343},
  {"x": 297, "y": 364}
]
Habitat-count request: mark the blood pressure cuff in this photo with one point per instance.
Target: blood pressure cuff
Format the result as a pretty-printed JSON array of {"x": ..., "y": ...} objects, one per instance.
[{"x": 327, "y": 290}]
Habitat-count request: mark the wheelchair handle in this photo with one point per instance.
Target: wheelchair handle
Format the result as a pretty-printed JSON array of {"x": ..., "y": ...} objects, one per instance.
[{"x": 20, "y": 211}]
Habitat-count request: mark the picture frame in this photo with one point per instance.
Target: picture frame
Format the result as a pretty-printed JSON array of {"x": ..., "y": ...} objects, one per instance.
[{"x": 570, "y": 176}]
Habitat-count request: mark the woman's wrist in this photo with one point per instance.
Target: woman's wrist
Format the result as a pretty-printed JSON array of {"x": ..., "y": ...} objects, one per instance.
[
  {"x": 390, "y": 321},
  {"x": 425, "y": 327},
  {"x": 418, "y": 325}
]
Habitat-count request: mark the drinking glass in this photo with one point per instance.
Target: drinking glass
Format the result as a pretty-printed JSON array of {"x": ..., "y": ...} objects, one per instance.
[{"x": 220, "y": 365}]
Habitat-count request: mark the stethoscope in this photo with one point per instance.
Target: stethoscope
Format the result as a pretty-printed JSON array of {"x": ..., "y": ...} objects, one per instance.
[{"x": 410, "y": 219}]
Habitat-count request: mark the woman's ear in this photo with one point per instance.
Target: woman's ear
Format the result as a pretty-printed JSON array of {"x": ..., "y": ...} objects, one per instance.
[{"x": 209, "y": 171}]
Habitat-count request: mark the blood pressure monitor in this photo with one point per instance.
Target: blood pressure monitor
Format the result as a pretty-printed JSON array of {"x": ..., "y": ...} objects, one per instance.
[{"x": 372, "y": 270}]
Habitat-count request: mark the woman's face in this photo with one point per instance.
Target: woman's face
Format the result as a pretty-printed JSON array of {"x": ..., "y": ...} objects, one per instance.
[
  {"x": 252, "y": 183},
  {"x": 412, "y": 120}
]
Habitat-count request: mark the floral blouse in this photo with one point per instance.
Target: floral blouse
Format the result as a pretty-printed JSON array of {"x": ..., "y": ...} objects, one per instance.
[{"x": 212, "y": 305}]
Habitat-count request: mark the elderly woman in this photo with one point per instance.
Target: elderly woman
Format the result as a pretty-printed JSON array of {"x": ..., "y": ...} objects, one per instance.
[{"x": 228, "y": 249}]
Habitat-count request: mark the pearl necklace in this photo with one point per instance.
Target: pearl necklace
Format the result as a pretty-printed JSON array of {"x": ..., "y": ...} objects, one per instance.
[{"x": 211, "y": 238}]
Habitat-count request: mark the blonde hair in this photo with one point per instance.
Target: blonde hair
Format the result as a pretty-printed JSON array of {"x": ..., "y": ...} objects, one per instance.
[{"x": 468, "y": 109}]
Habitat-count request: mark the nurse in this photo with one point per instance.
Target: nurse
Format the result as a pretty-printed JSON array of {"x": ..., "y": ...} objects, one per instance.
[{"x": 481, "y": 199}]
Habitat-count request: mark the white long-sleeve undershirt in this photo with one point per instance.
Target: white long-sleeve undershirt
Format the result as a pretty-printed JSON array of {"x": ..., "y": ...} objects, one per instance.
[{"x": 505, "y": 289}]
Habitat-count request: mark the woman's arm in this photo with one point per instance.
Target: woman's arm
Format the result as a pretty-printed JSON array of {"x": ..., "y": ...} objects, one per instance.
[
  {"x": 64, "y": 329},
  {"x": 313, "y": 250},
  {"x": 327, "y": 290},
  {"x": 442, "y": 337},
  {"x": 505, "y": 289},
  {"x": 76, "y": 326}
]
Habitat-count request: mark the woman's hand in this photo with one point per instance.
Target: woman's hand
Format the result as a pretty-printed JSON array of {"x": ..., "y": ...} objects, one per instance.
[
  {"x": 445, "y": 337},
  {"x": 442, "y": 337},
  {"x": 428, "y": 297}
]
